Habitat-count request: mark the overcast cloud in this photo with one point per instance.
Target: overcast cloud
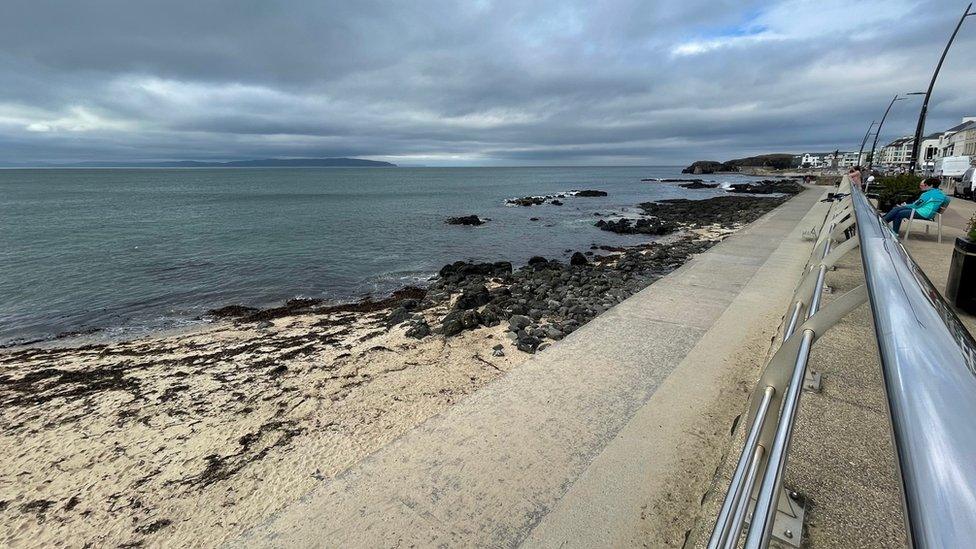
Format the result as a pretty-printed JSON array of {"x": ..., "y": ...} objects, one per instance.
[{"x": 473, "y": 83}]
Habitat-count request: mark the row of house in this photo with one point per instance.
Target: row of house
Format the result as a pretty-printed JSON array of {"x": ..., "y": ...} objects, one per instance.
[
  {"x": 836, "y": 159},
  {"x": 959, "y": 140}
]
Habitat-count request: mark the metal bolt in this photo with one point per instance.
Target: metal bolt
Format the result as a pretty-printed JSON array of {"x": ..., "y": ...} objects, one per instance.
[
  {"x": 788, "y": 533},
  {"x": 794, "y": 495}
]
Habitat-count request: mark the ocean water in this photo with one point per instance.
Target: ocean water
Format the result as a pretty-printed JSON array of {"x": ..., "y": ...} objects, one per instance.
[{"x": 124, "y": 251}]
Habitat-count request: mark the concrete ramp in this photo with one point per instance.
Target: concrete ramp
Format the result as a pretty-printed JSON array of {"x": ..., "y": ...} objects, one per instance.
[{"x": 610, "y": 437}]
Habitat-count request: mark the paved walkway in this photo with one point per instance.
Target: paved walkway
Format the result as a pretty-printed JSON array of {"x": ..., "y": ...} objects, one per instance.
[{"x": 610, "y": 437}]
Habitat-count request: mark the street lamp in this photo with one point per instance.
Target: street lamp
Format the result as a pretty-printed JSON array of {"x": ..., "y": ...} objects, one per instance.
[
  {"x": 877, "y": 133},
  {"x": 865, "y": 140},
  {"x": 920, "y": 129}
]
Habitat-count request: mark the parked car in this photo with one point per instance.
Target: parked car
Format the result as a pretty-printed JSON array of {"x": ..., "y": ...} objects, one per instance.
[{"x": 966, "y": 184}]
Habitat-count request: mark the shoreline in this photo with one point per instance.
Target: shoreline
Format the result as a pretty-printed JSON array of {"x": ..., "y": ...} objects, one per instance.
[{"x": 188, "y": 439}]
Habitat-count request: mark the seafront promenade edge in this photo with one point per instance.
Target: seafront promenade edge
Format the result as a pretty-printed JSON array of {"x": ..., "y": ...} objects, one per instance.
[{"x": 610, "y": 437}]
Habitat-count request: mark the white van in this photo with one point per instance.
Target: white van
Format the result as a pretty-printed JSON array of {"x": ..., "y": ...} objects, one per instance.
[
  {"x": 951, "y": 166},
  {"x": 966, "y": 184}
]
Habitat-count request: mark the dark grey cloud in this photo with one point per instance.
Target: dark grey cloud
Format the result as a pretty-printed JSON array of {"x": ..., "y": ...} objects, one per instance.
[{"x": 485, "y": 82}]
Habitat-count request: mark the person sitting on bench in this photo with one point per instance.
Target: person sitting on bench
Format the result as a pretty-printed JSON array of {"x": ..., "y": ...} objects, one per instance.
[{"x": 925, "y": 207}]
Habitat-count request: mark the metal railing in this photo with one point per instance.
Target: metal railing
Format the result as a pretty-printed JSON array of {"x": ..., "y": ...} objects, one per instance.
[
  {"x": 928, "y": 360},
  {"x": 929, "y": 365}
]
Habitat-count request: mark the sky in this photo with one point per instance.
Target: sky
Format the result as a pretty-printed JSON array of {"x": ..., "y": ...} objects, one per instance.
[{"x": 481, "y": 83}]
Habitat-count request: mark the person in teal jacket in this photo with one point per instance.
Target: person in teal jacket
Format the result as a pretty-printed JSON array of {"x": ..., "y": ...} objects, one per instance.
[{"x": 925, "y": 207}]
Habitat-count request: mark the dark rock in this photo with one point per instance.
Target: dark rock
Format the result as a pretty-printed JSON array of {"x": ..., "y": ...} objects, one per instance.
[
  {"x": 489, "y": 317},
  {"x": 231, "y": 311},
  {"x": 470, "y": 319},
  {"x": 419, "y": 330},
  {"x": 462, "y": 269},
  {"x": 578, "y": 260},
  {"x": 527, "y": 201},
  {"x": 538, "y": 262},
  {"x": 699, "y": 185},
  {"x": 465, "y": 220},
  {"x": 589, "y": 193},
  {"x": 533, "y": 219},
  {"x": 554, "y": 333},
  {"x": 527, "y": 344},
  {"x": 768, "y": 186},
  {"x": 398, "y": 315},
  {"x": 556, "y": 203},
  {"x": 641, "y": 226},
  {"x": 519, "y": 322},
  {"x": 452, "y": 324},
  {"x": 472, "y": 298}
]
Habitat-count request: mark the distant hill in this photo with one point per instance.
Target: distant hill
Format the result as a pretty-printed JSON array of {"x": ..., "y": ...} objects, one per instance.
[
  {"x": 777, "y": 161},
  {"x": 263, "y": 163}
]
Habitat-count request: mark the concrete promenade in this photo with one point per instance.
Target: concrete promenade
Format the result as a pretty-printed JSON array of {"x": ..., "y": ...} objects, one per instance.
[{"x": 609, "y": 438}]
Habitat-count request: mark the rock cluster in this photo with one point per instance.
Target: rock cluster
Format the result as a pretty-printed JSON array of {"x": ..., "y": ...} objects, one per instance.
[
  {"x": 589, "y": 193},
  {"x": 640, "y": 226},
  {"x": 546, "y": 299},
  {"x": 553, "y": 199},
  {"x": 726, "y": 211},
  {"x": 698, "y": 185},
  {"x": 768, "y": 186},
  {"x": 465, "y": 220}
]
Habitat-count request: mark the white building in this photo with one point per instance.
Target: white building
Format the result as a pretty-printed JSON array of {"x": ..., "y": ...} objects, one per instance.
[
  {"x": 896, "y": 154},
  {"x": 928, "y": 152},
  {"x": 959, "y": 140},
  {"x": 843, "y": 159}
]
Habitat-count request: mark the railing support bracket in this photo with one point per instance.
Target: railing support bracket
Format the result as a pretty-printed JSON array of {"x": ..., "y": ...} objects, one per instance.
[
  {"x": 811, "y": 382},
  {"x": 790, "y": 513}
]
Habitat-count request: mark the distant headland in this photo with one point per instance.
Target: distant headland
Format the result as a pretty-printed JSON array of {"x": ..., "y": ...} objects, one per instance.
[
  {"x": 261, "y": 163},
  {"x": 774, "y": 161}
]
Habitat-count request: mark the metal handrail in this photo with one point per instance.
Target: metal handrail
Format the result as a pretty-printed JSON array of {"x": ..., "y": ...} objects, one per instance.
[
  {"x": 928, "y": 359},
  {"x": 929, "y": 367}
]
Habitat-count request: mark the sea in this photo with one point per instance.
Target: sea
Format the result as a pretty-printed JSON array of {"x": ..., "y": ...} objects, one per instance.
[{"x": 125, "y": 252}]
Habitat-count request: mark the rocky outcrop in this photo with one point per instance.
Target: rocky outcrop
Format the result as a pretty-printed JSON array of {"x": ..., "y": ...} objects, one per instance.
[
  {"x": 589, "y": 193},
  {"x": 772, "y": 161},
  {"x": 578, "y": 260},
  {"x": 699, "y": 185},
  {"x": 767, "y": 186},
  {"x": 465, "y": 220},
  {"x": 527, "y": 201},
  {"x": 727, "y": 211},
  {"x": 640, "y": 226},
  {"x": 703, "y": 166}
]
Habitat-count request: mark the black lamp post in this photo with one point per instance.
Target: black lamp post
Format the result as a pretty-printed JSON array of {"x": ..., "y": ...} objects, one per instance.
[
  {"x": 920, "y": 129},
  {"x": 865, "y": 140},
  {"x": 877, "y": 132}
]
